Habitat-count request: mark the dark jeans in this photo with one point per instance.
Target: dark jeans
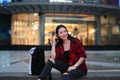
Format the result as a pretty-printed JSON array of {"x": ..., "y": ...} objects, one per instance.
[{"x": 62, "y": 67}]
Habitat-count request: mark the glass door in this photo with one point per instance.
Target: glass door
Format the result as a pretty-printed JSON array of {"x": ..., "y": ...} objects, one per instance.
[{"x": 81, "y": 26}]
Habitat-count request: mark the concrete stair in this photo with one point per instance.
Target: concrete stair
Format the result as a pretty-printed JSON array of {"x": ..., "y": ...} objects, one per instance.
[
  {"x": 56, "y": 76},
  {"x": 16, "y": 76}
]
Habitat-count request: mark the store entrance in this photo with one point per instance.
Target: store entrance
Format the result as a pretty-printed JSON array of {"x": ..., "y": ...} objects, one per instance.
[{"x": 80, "y": 26}]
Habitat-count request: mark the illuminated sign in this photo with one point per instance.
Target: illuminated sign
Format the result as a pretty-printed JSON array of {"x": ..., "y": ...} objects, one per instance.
[
  {"x": 5, "y": 1},
  {"x": 119, "y": 2}
]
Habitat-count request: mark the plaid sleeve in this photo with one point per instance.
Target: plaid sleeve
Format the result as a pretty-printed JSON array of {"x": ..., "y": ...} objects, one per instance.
[{"x": 80, "y": 49}]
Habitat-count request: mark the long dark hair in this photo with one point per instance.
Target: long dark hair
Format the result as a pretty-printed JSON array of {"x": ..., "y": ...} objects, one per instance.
[{"x": 57, "y": 29}]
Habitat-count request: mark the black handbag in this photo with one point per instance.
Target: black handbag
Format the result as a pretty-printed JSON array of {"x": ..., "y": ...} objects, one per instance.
[{"x": 37, "y": 61}]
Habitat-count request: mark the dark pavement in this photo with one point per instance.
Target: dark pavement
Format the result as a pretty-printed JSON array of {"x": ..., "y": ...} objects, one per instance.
[{"x": 101, "y": 65}]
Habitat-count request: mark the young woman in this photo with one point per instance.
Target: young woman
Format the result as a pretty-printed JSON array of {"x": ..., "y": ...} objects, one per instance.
[{"x": 67, "y": 55}]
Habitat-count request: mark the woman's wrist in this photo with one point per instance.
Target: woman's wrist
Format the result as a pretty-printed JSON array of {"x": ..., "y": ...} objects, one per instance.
[
  {"x": 76, "y": 65},
  {"x": 53, "y": 45}
]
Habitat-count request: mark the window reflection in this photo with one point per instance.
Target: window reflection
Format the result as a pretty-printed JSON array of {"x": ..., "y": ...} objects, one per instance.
[
  {"x": 110, "y": 31},
  {"x": 25, "y": 29},
  {"x": 82, "y": 26}
]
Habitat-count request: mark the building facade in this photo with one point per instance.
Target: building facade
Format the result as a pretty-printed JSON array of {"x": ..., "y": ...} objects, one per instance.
[{"x": 33, "y": 22}]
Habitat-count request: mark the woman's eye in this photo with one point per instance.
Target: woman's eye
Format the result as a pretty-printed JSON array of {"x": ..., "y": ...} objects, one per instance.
[
  {"x": 65, "y": 31},
  {"x": 61, "y": 32}
]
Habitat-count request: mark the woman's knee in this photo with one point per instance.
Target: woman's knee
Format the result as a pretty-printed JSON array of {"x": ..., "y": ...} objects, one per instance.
[
  {"x": 66, "y": 76},
  {"x": 65, "y": 73}
]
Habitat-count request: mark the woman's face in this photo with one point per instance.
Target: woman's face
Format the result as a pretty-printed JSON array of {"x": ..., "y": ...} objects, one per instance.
[{"x": 62, "y": 33}]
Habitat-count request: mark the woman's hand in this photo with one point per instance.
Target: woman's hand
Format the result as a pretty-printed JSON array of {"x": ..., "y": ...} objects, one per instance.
[
  {"x": 54, "y": 42},
  {"x": 71, "y": 68},
  {"x": 53, "y": 53}
]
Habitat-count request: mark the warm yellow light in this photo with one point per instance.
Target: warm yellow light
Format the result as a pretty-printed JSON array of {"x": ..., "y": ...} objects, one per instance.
[
  {"x": 35, "y": 14},
  {"x": 92, "y": 31}
]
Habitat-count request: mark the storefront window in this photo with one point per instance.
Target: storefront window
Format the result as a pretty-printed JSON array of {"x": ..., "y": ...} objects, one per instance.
[
  {"x": 81, "y": 26},
  {"x": 115, "y": 39},
  {"x": 25, "y": 29},
  {"x": 110, "y": 31}
]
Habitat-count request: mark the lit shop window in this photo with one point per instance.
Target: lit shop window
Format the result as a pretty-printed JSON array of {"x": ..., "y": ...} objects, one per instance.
[
  {"x": 81, "y": 26},
  {"x": 25, "y": 29}
]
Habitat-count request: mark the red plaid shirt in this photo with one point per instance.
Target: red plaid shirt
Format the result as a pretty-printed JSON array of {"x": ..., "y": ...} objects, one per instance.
[{"x": 76, "y": 52}]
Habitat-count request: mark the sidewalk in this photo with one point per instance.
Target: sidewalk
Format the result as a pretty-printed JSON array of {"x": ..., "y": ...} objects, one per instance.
[
  {"x": 18, "y": 61},
  {"x": 101, "y": 64}
]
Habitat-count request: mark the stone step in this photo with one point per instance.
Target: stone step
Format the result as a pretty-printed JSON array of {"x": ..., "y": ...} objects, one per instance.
[
  {"x": 16, "y": 76},
  {"x": 56, "y": 76}
]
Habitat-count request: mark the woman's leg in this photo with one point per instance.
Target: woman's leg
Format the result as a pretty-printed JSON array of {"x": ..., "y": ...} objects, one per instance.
[
  {"x": 46, "y": 70},
  {"x": 59, "y": 65},
  {"x": 73, "y": 74}
]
